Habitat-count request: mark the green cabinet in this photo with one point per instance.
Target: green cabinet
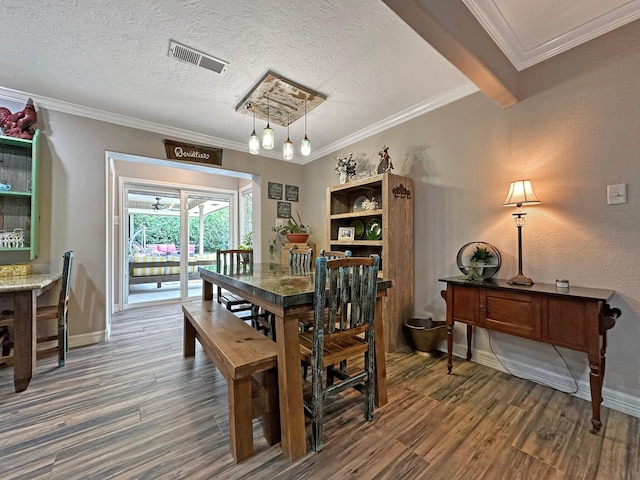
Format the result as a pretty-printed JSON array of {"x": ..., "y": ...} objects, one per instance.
[{"x": 19, "y": 213}]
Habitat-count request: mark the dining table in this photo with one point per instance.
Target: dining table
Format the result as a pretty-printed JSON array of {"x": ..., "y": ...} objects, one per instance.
[
  {"x": 22, "y": 291},
  {"x": 288, "y": 294}
]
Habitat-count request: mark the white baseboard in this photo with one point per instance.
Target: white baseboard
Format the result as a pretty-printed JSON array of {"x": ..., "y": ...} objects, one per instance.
[{"x": 612, "y": 399}]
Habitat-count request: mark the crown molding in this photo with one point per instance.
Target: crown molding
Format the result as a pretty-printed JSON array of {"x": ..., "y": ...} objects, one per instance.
[
  {"x": 428, "y": 105},
  {"x": 490, "y": 17},
  {"x": 410, "y": 113}
]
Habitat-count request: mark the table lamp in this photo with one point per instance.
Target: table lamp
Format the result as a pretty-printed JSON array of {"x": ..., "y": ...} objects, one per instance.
[{"x": 520, "y": 193}]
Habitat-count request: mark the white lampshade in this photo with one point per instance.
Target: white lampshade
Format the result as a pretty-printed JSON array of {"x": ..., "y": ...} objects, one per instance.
[
  {"x": 254, "y": 144},
  {"x": 268, "y": 138},
  {"x": 305, "y": 147},
  {"x": 520, "y": 193},
  {"x": 287, "y": 150}
]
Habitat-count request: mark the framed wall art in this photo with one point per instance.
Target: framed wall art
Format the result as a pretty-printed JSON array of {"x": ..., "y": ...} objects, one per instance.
[
  {"x": 291, "y": 193},
  {"x": 274, "y": 191},
  {"x": 346, "y": 234},
  {"x": 284, "y": 210}
]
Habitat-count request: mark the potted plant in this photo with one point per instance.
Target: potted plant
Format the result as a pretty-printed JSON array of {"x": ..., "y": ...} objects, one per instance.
[
  {"x": 294, "y": 231},
  {"x": 481, "y": 256}
]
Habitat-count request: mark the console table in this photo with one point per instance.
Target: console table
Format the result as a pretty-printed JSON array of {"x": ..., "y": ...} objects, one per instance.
[{"x": 576, "y": 318}]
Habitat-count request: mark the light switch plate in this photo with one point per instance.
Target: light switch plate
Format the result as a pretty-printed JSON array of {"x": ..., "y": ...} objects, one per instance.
[{"x": 616, "y": 194}]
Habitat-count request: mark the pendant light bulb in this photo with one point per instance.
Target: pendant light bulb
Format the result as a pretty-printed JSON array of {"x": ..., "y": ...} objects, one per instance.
[
  {"x": 287, "y": 147},
  {"x": 254, "y": 141},
  {"x": 268, "y": 138},
  {"x": 305, "y": 146}
]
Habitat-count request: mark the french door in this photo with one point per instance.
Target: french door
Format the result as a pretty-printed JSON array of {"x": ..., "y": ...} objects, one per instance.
[{"x": 169, "y": 231}]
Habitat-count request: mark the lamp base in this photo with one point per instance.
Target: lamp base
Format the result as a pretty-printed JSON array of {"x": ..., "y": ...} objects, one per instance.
[{"x": 520, "y": 279}]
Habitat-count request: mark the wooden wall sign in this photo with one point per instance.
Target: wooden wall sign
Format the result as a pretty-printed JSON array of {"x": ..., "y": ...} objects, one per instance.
[{"x": 186, "y": 152}]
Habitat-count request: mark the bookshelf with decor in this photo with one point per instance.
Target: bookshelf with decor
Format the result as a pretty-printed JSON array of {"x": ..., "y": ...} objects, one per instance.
[
  {"x": 374, "y": 215},
  {"x": 19, "y": 195}
]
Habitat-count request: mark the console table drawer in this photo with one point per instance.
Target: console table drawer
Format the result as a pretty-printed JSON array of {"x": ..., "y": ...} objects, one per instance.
[{"x": 512, "y": 313}]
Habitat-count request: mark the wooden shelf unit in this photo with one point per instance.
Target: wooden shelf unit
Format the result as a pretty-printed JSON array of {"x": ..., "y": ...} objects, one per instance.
[
  {"x": 19, "y": 206},
  {"x": 394, "y": 195}
]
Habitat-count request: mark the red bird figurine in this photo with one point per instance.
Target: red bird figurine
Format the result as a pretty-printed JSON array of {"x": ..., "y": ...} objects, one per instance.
[{"x": 19, "y": 124}]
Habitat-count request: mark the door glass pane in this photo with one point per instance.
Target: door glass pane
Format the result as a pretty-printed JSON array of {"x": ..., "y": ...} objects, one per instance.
[
  {"x": 246, "y": 218},
  {"x": 209, "y": 229},
  {"x": 154, "y": 239}
]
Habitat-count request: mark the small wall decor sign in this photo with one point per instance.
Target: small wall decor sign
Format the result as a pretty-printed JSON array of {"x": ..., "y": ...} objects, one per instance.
[
  {"x": 186, "y": 152},
  {"x": 401, "y": 191},
  {"x": 291, "y": 193},
  {"x": 284, "y": 210},
  {"x": 274, "y": 191}
]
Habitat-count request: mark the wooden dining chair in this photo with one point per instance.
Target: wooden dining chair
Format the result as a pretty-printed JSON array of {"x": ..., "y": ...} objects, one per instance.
[
  {"x": 59, "y": 312},
  {"x": 233, "y": 261},
  {"x": 300, "y": 257},
  {"x": 332, "y": 255},
  {"x": 343, "y": 328}
]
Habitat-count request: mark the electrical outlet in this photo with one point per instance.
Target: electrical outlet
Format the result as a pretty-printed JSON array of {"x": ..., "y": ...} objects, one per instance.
[{"x": 616, "y": 194}]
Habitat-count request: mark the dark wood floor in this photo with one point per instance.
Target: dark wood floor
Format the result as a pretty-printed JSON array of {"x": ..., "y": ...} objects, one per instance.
[{"x": 134, "y": 408}]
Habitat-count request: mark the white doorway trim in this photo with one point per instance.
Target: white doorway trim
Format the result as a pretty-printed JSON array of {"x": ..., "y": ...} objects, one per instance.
[{"x": 112, "y": 216}]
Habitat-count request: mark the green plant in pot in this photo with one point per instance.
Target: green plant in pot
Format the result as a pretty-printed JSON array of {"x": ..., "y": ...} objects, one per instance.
[
  {"x": 481, "y": 255},
  {"x": 292, "y": 231}
]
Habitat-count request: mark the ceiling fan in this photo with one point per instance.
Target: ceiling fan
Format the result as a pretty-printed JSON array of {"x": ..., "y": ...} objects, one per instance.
[{"x": 158, "y": 205}]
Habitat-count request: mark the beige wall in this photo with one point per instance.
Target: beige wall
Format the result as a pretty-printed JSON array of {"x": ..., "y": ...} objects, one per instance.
[
  {"x": 73, "y": 202},
  {"x": 571, "y": 141}
]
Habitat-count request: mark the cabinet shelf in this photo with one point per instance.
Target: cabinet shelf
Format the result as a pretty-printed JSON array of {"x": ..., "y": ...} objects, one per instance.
[
  {"x": 365, "y": 213},
  {"x": 363, "y": 243},
  {"x": 12, "y": 193},
  {"x": 395, "y": 248},
  {"x": 19, "y": 206}
]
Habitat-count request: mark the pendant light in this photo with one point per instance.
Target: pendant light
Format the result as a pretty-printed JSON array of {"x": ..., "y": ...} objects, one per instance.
[
  {"x": 268, "y": 138},
  {"x": 287, "y": 147},
  {"x": 254, "y": 141},
  {"x": 305, "y": 146}
]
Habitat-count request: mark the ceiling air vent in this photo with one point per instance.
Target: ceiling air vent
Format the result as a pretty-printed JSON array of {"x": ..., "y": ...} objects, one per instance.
[{"x": 190, "y": 55}]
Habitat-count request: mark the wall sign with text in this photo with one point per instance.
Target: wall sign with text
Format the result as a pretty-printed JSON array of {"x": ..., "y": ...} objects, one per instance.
[
  {"x": 291, "y": 193},
  {"x": 186, "y": 152},
  {"x": 274, "y": 191},
  {"x": 284, "y": 210}
]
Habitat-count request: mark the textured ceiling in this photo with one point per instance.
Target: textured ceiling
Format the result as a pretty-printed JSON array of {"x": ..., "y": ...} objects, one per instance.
[{"x": 108, "y": 60}]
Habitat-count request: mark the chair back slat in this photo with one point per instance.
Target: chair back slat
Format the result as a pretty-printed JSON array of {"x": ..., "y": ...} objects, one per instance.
[
  {"x": 347, "y": 287},
  {"x": 63, "y": 308},
  {"x": 300, "y": 257},
  {"x": 234, "y": 261}
]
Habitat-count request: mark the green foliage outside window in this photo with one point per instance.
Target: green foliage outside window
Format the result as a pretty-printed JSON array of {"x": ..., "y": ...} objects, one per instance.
[{"x": 162, "y": 229}]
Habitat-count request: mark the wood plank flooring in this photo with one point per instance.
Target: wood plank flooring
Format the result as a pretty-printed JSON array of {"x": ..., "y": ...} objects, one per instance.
[{"x": 134, "y": 408}]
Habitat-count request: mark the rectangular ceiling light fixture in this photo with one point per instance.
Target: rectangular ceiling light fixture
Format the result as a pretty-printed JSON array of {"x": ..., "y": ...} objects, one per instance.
[
  {"x": 194, "y": 57},
  {"x": 286, "y": 100}
]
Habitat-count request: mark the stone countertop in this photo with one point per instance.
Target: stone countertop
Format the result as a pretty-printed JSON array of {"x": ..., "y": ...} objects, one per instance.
[{"x": 17, "y": 283}]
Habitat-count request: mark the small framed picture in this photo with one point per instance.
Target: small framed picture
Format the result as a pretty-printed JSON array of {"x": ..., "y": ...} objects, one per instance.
[{"x": 346, "y": 234}]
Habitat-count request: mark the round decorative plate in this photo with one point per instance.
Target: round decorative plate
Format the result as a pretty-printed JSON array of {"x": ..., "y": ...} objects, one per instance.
[
  {"x": 357, "y": 203},
  {"x": 374, "y": 229},
  {"x": 359, "y": 226},
  {"x": 487, "y": 268}
]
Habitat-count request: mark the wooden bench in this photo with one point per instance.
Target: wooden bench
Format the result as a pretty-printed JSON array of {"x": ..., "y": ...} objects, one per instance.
[{"x": 239, "y": 352}]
